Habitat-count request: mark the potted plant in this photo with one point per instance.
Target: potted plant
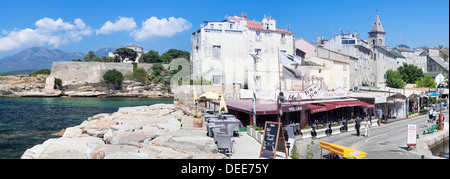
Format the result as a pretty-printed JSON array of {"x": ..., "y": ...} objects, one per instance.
[
  {"x": 198, "y": 121},
  {"x": 259, "y": 136},
  {"x": 176, "y": 102}
]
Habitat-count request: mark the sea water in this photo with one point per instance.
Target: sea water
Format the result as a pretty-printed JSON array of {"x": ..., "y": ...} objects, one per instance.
[
  {"x": 440, "y": 149},
  {"x": 26, "y": 122}
]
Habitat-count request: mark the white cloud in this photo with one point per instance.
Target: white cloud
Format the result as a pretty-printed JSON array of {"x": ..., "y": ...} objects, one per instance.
[
  {"x": 154, "y": 27},
  {"x": 48, "y": 32},
  {"x": 123, "y": 24}
]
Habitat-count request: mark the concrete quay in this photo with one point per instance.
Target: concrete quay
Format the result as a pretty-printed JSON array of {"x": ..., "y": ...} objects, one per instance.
[{"x": 387, "y": 141}]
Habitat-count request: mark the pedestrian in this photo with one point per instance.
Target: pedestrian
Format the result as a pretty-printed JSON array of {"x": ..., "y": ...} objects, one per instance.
[
  {"x": 367, "y": 125},
  {"x": 430, "y": 114},
  {"x": 357, "y": 125},
  {"x": 434, "y": 115}
]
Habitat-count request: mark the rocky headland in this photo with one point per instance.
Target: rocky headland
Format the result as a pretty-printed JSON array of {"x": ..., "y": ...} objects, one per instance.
[{"x": 159, "y": 131}]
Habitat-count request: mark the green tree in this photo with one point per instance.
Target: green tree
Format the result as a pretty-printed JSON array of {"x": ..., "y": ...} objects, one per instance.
[
  {"x": 174, "y": 53},
  {"x": 126, "y": 53},
  {"x": 113, "y": 77},
  {"x": 166, "y": 58},
  {"x": 151, "y": 56},
  {"x": 90, "y": 56},
  {"x": 394, "y": 79},
  {"x": 427, "y": 82},
  {"x": 410, "y": 73}
]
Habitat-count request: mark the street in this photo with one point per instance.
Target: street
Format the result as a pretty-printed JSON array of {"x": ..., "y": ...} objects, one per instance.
[{"x": 387, "y": 141}]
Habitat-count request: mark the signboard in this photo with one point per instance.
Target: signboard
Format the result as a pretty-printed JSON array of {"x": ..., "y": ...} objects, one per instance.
[
  {"x": 273, "y": 140},
  {"x": 411, "y": 139},
  {"x": 314, "y": 92}
]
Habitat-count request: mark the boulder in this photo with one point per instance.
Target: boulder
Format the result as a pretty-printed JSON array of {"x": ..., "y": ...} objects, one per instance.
[
  {"x": 130, "y": 138},
  {"x": 64, "y": 148}
]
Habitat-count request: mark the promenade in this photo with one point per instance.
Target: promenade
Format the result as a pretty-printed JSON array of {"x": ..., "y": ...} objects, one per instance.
[{"x": 387, "y": 141}]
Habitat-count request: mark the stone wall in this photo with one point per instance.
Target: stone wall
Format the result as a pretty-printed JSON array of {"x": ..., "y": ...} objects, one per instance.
[{"x": 89, "y": 72}]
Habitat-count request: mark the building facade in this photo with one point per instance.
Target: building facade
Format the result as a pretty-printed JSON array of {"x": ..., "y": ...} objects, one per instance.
[
  {"x": 221, "y": 52},
  {"x": 359, "y": 52}
]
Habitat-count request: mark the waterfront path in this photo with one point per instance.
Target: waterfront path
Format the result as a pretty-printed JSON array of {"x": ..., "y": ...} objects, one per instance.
[
  {"x": 387, "y": 141},
  {"x": 246, "y": 147}
]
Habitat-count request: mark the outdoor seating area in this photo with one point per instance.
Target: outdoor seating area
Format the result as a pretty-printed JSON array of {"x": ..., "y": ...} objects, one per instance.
[{"x": 223, "y": 128}]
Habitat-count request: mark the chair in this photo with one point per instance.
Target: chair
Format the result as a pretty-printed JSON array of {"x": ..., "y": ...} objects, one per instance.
[
  {"x": 215, "y": 132},
  {"x": 209, "y": 129},
  {"x": 224, "y": 142},
  {"x": 230, "y": 129}
]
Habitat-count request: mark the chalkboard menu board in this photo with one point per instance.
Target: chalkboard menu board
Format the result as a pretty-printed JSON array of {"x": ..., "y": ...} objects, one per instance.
[{"x": 273, "y": 139}]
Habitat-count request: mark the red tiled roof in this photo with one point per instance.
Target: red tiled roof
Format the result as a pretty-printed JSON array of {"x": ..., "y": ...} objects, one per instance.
[{"x": 258, "y": 26}]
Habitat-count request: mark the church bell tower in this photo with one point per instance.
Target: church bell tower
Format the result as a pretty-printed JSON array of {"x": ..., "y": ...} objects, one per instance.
[{"x": 377, "y": 34}]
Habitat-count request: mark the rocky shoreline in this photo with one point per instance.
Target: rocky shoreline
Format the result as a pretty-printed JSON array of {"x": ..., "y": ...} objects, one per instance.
[
  {"x": 74, "y": 89},
  {"x": 159, "y": 131}
]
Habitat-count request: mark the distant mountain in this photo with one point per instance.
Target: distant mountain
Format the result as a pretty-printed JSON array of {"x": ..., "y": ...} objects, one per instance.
[
  {"x": 402, "y": 46},
  {"x": 105, "y": 51},
  {"x": 20, "y": 72},
  {"x": 422, "y": 47},
  {"x": 36, "y": 58}
]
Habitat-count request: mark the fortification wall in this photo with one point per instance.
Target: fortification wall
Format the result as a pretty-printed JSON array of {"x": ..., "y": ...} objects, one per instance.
[{"x": 89, "y": 72}]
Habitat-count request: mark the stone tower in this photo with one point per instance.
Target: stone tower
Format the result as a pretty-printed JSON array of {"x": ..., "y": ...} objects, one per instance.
[{"x": 377, "y": 34}]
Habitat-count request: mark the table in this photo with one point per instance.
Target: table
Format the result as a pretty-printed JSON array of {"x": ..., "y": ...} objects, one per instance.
[
  {"x": 237, "y": 122},
  {"x": 208, "y": 117}
]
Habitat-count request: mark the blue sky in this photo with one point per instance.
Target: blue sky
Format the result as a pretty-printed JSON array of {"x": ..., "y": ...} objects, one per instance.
[{"x": 76, "y": 25}]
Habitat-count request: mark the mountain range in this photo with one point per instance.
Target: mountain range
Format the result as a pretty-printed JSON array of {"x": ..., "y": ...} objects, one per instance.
[{"x": 36, "y": 58}]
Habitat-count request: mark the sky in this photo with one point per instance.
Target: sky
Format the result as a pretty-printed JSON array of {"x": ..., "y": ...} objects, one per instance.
[{"x": 84, "y": 25}]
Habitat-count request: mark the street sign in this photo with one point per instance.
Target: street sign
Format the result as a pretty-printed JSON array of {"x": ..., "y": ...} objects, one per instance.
[{"x": 411, "y": 139}]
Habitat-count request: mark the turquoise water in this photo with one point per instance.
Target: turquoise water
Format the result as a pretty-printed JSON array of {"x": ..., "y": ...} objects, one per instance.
[{"x": 25, "y": 122}]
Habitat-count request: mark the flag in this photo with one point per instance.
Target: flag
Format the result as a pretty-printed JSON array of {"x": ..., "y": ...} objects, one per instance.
[{"x": 290, "y": 73}]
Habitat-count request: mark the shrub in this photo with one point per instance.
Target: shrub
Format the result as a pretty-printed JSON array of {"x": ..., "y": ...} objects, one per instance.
[
  {"x": 140, "y": 75},
  {"x": 58, "y": 83},
  {"x": 41, "y": 72},
  {"x": 113, "y": 76},
  {"x": 157, "y": 68}
]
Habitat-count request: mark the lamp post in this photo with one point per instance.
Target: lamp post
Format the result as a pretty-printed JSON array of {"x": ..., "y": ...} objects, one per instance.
[
  {"x": 440, "y": 88},
  {"x": 255, "y": 60}
]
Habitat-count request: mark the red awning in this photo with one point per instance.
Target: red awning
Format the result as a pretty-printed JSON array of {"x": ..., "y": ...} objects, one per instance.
[
  {"x": 263, "y": 107},
  {"x": 321, "y": 107}
]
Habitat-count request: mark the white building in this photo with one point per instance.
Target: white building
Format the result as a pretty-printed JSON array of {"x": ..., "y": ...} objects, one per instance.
[
  {"x": 220, "y": 52},
  {"x": 138, "y": 49}
]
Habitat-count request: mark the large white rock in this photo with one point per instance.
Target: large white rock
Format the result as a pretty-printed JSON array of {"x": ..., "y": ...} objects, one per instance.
[
  {"x": 64, "y": 148},
  {"x": 130, "y": 138}
]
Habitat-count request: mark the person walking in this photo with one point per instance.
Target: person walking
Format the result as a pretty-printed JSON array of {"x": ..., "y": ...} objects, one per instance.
[
  {"x": 357, "y": 125},
  {"x": 434, "y": 115},
  {"x": 367, "y": 125},
  {"x": 430, "y": 114}
]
